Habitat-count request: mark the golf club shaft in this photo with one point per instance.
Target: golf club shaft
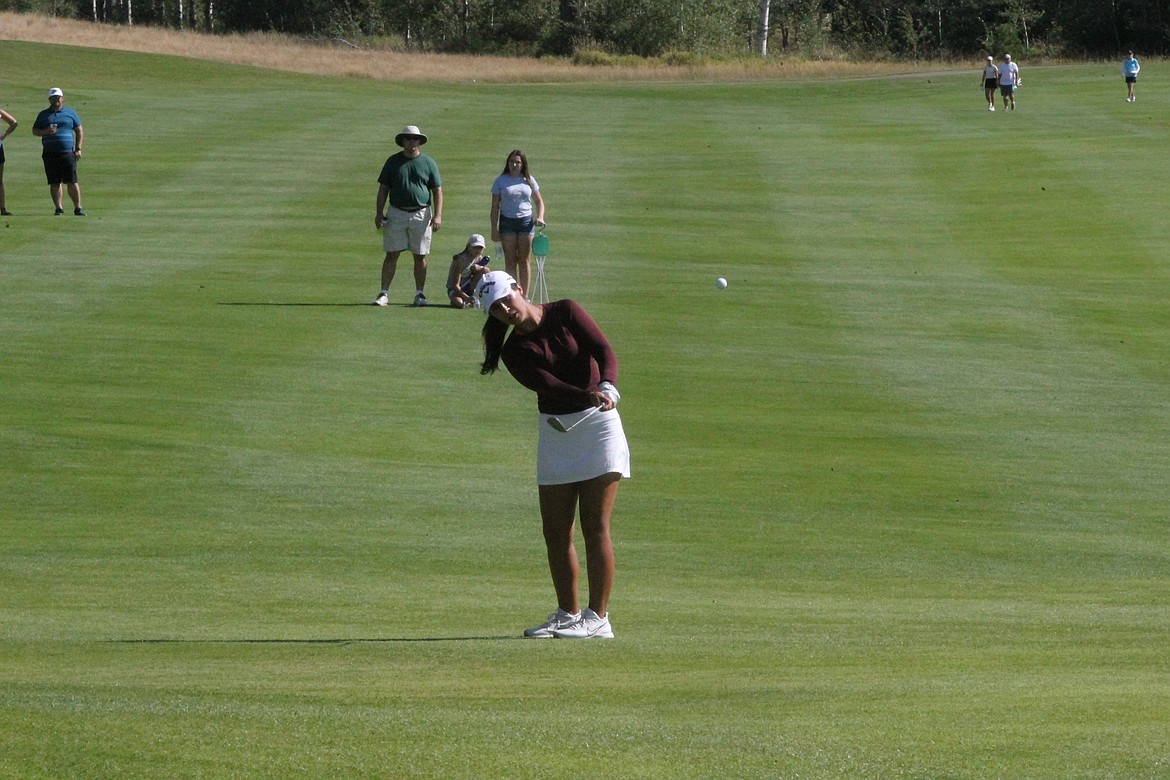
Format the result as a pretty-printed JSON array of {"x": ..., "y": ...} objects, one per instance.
[{"x": 583, "y": 418}]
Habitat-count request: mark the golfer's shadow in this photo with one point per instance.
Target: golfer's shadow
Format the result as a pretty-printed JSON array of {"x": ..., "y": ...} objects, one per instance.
[
  {"x": 326, "y": 304},
  {"x": 349, "y": 641}
]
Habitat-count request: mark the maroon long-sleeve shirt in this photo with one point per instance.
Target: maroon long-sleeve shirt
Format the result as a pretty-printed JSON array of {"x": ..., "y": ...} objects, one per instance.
[{"x": 562, "y": 360}]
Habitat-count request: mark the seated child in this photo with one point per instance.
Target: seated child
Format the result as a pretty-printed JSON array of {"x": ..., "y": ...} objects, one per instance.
[{"x": 466, "y": 268}]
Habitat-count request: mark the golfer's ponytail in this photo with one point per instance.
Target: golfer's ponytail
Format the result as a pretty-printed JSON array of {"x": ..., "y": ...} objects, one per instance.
[{"x": 494, "y": 332}]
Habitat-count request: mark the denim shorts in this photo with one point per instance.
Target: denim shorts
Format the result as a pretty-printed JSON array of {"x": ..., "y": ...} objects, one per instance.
[{"x": 517, "y": 225}]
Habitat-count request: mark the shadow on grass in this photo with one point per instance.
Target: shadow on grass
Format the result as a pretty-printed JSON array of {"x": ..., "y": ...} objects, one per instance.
[
  {"x": 293, "y": 303},
  {"x": 353, "y": 641}
]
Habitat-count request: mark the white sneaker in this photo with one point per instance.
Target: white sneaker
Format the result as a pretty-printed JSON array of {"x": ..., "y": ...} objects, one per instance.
[
  {"x": 991, "y": 108},
  {"x": 589, "y": 625},
  {"x": 558, "y": 619},
  {"x": 381, "y": 300}
]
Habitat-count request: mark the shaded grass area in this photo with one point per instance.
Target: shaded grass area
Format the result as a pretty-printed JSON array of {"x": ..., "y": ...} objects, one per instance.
[{"x": 898, "y": 503}]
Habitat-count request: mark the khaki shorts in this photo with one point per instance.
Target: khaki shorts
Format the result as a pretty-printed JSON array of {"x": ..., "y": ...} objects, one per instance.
[{"x": 407, "y": 230}]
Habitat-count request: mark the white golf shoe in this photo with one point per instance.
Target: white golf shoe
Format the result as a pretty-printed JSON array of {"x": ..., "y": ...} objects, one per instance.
[
  {"x": 589, "y": 625},
  {"x": 558, "y": 619}
]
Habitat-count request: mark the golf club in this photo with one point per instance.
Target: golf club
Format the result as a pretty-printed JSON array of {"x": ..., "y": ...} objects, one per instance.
[{"x": 556, "y": 423}]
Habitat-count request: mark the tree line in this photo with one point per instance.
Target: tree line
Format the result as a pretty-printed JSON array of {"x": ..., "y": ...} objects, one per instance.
[{"x": 814, "y": 29}]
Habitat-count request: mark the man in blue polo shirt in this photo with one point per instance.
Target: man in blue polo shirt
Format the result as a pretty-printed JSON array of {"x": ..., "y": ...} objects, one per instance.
[{"x": 62, "y": 137}]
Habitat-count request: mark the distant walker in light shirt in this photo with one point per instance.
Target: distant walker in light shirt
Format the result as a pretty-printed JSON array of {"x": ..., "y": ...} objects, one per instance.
[{"x": 1130, "y": 67}]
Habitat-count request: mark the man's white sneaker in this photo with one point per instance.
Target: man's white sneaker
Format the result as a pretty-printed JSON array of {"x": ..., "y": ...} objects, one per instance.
[
  {"x": 589, "y": 625},
  {"x": 558, "y": 619},
  {"x": 381, "y": 300}
]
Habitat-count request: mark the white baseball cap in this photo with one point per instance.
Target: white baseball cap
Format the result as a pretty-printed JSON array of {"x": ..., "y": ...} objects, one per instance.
[
  {"x": 56, "y": 92},
  {"x": 476, "y": 240},
  {"x": 492, "y": 287}
]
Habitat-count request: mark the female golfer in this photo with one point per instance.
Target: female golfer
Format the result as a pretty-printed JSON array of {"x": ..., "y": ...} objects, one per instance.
[
  {"x": 517, "y": 210},
  {"x": 990, "y": 78},
  {"x": 557, "y": 351}
]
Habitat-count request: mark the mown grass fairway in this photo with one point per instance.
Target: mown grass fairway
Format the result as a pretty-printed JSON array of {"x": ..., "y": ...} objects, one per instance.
[{"x": 899, "y": 505}]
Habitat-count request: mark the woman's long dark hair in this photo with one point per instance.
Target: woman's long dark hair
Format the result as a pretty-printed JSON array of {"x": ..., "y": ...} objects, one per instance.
[
  {"x": 523, "y": 164},
  {"x": 494, "y": 332}
]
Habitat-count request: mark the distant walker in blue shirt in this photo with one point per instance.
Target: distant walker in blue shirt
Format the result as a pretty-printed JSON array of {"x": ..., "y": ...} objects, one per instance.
[
  {"x": 62, "y": 137},
  {"x": 1130, "y": 68}
]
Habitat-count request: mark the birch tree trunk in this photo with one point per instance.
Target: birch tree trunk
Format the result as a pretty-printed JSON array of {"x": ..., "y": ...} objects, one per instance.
[{"x": 765, "y": 9}]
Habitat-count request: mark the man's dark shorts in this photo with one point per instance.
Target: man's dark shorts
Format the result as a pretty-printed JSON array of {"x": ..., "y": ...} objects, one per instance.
[
  {"x": 1006, "y": 90},
  {"x": 60, "y": 168}
]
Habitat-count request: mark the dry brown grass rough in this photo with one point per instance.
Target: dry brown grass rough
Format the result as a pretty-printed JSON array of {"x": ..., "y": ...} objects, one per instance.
[{"x": 279, "y": 52}]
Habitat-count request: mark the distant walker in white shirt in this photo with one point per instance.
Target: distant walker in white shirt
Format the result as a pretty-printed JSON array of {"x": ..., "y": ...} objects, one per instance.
[{"x": 1009, "y": 79}]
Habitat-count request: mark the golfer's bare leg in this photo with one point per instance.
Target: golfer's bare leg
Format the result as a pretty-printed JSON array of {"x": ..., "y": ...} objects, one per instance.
[
  {"x": 597, "y": 499},
  {"x": 558, "y": 509}
]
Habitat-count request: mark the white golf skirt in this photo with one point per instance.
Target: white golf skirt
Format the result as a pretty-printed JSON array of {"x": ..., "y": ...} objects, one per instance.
[{"x": 597, "y": 446}]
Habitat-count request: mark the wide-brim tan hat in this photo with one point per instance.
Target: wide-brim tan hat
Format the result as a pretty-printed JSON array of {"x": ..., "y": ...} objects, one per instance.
[{"x": 410, "y": 130}]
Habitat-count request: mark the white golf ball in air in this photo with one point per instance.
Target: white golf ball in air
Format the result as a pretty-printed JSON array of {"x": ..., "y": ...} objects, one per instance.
[{"x": 720, "y": 282}]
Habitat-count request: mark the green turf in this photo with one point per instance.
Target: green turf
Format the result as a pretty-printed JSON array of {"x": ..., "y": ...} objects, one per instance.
[{"x": 899, "y": 496}]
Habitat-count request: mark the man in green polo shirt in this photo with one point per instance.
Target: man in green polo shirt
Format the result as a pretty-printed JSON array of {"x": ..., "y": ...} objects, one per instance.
[{"x": 411, "y": 183}]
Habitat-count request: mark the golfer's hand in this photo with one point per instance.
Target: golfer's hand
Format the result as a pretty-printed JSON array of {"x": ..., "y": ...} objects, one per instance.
[
  {"x": 601, "y": 400},
  {"x": 436, "y": 222},
  {"x": 379, "y": 221}
]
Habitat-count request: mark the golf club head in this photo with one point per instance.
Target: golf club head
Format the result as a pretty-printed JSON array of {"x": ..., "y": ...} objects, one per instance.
[{"x": 557, "y": 424}]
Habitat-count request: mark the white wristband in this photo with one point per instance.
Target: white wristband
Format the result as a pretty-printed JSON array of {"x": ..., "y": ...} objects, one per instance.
[{"x": 609, "y": 391}]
